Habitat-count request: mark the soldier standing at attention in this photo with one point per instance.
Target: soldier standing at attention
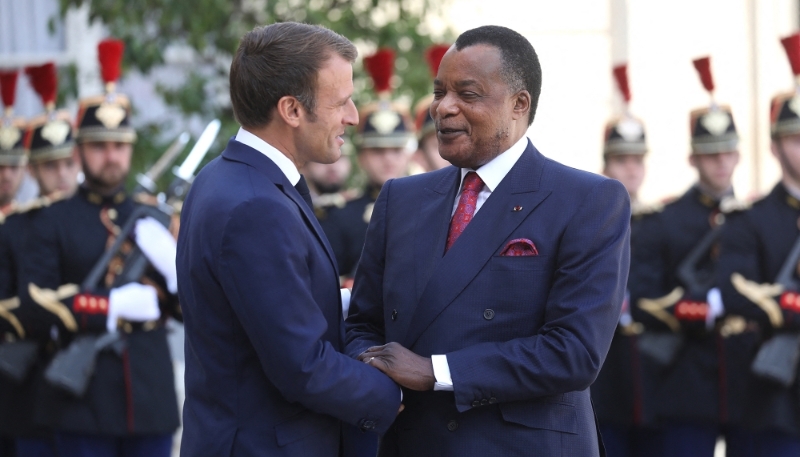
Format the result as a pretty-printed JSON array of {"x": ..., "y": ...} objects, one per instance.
[
  {"x": 623, "y": 391},
  {"x": 384, "y": 141},
  {"x": 13, "y": 157},
  {"x": 51, "y": 146},
  {"x": 427, "y": 155},
  {"x": 672, "y": 287},
  {"x": 758, "y": 276},
  {"x": 129, "y": 407}
]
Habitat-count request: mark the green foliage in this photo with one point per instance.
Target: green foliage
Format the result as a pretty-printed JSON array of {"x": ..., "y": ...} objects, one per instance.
[{"x": 212, "y": 28}]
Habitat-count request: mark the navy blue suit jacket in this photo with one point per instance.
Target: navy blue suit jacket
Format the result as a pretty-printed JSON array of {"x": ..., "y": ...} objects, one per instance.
[
  {"x": 524, "y": 336},
  {"x": 264, "y": 333}
]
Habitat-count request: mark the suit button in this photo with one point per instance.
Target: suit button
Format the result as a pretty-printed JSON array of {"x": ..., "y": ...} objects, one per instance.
[
  {"x": 476, "y": 403},
  {"x": 484, "y": 402},
  {"x": 368, "y": 425},
  {"x": 492, "y": 401},
  {"x": 488, "y": 314},
  {"x": 452, "y": 426},
  {"x": 394, "y": 314}
]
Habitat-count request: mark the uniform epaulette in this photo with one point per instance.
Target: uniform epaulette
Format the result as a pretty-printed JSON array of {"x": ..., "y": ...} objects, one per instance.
[
  {"x": 326, "y": 200},
  {"x": 645, "y": 209},
  {"x": 730, "y": 205},
  {"x": 39, "y": 203}
]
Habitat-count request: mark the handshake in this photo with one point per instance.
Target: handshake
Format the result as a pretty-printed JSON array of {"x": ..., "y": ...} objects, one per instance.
[{"x": 404, "y": 367}]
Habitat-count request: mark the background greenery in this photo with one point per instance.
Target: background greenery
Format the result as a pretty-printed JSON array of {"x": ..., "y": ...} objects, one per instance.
[{"x": 211, "y": 30}]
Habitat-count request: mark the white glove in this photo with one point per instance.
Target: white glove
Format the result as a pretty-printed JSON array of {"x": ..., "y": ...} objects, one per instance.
[
  {"x": 159, "y": 246},
  {"x": 715, "y": 307},
  {"x": 134, "y": 302}
]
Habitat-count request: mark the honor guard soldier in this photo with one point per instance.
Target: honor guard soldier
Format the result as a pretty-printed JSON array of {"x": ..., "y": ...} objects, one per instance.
[
  {"x": 384, "y": 140},
  {"x": 326, "y": 183},
  {"x": 128, "y": 406},
  {"x": 13, "y": 158},
  {"x": 50, "y": 143},
  {"x": 427, "y": 154},
  {"x": 672, "y": 286},
  {"x": 760, "y": 252},
  {"x": 623, "y": 391}
]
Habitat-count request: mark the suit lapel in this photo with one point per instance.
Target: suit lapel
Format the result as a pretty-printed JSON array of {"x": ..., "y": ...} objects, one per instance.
[
  {"x": 483, "y": 238},
  {"x": 242, "y": 153}
]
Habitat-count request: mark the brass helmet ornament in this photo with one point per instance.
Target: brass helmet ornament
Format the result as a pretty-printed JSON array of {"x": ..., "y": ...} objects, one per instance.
[
  {"x": 49, "y": 136},
  {"x": 712, "y": 128},
  {"x": 12, "y": 148},
  {"x": 624, "y": 135}
]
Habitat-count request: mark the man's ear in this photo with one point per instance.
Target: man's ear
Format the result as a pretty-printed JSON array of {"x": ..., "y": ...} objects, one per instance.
[
  {"x": 522, "y": 104},
  {"x": 290, "y": 110}
]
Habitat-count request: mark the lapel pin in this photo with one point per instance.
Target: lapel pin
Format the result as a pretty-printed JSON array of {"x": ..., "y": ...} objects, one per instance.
[{"x": 517, "y": 208}]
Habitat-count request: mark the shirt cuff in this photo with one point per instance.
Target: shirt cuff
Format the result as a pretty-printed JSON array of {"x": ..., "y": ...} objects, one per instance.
[
  {"x": 345, "y": 302},
  {"x": 441, "y": 371}
]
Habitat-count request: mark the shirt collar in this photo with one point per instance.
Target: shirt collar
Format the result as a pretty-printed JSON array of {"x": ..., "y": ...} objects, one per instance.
[
  {"x": 284, "y": 163},
  {"x": 496, "y": 169}
]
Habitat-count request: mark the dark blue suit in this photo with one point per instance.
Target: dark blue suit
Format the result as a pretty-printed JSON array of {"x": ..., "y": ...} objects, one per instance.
[
  {"x": 524, "y": 336},
  {"x": 262, "y": 309}
]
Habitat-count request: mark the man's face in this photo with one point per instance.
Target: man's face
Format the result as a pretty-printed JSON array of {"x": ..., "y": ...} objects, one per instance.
[
  {"x": 627, "y": 169},
  {"x": 715, "y": 170},
  {"x": 472, "y": 106},
  {"x": 787, "y": 150},
  {"x": 10, "y": 179},
  {"x": 60, "y": 175},
  {"x": 106, "y": 163},
  {"x": 321, "y": 134},
  {"x": 429, "y": 148},
  {"x": 328, "y": 178},
  {"x": 383, "y": 164}
]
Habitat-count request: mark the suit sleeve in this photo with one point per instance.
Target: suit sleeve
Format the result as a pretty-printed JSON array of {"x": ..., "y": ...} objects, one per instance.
[
  {"x": 581, "y": 313},
  {"x": 365, "y": 324},
  {"x": 269, "y": 289}
]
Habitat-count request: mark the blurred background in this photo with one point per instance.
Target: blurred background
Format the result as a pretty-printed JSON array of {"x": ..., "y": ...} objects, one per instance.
[{"x": 178, "y": 52}]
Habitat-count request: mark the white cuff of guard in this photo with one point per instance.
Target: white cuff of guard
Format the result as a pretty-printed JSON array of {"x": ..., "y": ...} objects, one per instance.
[{"x": 345, "y": 302}]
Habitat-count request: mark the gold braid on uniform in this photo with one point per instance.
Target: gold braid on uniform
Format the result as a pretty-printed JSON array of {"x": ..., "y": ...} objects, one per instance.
[
  {"x": 51, "y": 301},
  {"x": 6, "y": 306},
  {"x": 762, "y": 295},
  {"x": 657, "y": 306}
]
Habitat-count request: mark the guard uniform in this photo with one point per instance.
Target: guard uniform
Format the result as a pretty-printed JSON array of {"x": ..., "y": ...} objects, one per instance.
[
  {"x": 381, "y": 125},
  {"x": 130, "y": 406},
  {"x": 675, "y": 260},
  {"x": 623, "y": 391},
  {"x": 12, "y": 153},
  {"x": 759, "y": 281}
]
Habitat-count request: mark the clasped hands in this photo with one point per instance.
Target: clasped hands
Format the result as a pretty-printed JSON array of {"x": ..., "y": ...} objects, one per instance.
[{"x": 404, "y": 367}]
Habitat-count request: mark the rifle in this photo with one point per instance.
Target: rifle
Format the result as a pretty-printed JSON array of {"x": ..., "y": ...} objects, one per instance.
[
  {"x": 778, "y": 357},
  {"x": 72, "y": 369},
  {"x": 697, "y": 281}
]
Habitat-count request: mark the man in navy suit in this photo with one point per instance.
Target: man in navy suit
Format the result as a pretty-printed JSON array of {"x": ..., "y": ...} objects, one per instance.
[
  {"x": 257, "y": 278},
  {"x": 497, "y": 283}
]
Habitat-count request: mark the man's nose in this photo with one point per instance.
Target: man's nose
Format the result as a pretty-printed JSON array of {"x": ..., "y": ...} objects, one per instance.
[
  {"x": 446, "y": 106},
  {"x": 351, "y": 114}
]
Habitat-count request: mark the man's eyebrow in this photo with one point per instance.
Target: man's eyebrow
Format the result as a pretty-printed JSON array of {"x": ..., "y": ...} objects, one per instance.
[{"x": 462, "y": 83}]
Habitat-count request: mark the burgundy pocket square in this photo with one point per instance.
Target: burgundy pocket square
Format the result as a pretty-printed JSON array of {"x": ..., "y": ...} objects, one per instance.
[{"x": 520, "y": 247}]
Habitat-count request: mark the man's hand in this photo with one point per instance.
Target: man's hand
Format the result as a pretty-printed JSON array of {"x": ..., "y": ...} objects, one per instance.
[{"x": 403, "y": 366}]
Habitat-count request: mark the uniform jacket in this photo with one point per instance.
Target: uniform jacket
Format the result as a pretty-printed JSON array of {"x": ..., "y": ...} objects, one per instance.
[
  {"x": 131, "y": 393},
  {"x": 755, "y": 244},
  {"x": 262, "y": 310},
  {"x": 524, "y": 336}
]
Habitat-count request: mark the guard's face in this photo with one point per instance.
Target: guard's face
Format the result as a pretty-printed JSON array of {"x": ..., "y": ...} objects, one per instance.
[
  {"x": 429, "y": 149},
  {"x": 383, "y": 164},
  {"x": 472, "y": 106},
  {"x": 321, "y": 134},
  {"x": 627, "y": 169},
  {"x": 788, "y": 154},
  {"x": 716, "y": 170},
  {"x": 328, "y": 178},
  {"x": 106, "y": 163},
  {"x": 10, "y": 179},
  {"x": 60, "y": 175}
]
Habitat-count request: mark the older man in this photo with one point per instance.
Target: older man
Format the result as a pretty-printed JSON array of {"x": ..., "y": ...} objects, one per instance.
[{"x": 497, "y": 282}]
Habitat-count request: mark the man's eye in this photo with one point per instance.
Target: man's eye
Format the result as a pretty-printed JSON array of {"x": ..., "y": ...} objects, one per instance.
[{"x": 437, "y": 94}]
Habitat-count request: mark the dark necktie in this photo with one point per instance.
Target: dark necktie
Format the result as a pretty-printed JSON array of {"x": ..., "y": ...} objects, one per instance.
[
  {"x": 466, "y": 207},
  {"x": 302, "y": 189}
]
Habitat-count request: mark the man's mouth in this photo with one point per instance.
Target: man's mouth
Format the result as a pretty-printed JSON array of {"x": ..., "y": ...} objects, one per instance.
[{"x": 449, "y": 133}]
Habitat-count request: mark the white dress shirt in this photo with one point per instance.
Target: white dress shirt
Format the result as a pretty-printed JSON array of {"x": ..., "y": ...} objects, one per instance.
[
  {"x": 290, "y": 171},
  {"x": 491, "y": 174}
]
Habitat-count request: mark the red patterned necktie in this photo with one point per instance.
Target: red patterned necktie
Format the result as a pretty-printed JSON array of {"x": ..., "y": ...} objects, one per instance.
[{"x": 466, "y": 207}]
